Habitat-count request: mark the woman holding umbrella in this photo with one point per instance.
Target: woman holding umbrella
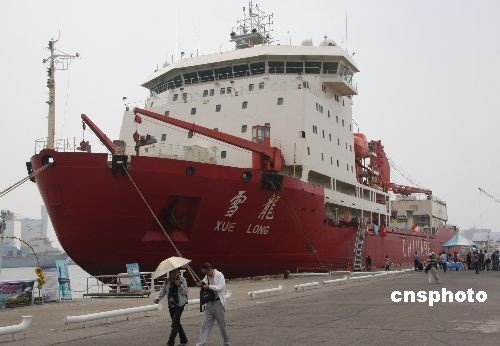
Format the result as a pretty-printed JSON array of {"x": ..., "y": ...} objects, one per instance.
[{"x": 175, "y": 288}]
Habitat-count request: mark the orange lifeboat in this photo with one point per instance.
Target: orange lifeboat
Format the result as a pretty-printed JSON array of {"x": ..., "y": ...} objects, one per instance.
[{"x": 360, "y": 145}]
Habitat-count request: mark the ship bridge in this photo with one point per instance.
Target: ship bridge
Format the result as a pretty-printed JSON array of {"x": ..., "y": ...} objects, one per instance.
[{"x": 332, "y": 63}]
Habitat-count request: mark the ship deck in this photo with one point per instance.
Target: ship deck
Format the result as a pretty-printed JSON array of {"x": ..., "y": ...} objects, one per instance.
[{"x": 353, "y": 313}]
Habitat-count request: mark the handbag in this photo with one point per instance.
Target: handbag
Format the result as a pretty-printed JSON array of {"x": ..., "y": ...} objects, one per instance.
[{"x": 206, "y": 295}]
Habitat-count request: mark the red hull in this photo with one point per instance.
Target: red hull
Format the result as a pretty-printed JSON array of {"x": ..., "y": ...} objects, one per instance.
[{"x": 102, "y": 223}]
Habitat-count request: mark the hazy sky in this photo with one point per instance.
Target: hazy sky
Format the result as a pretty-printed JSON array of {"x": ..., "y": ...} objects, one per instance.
[{"x": 428, "y": 86}]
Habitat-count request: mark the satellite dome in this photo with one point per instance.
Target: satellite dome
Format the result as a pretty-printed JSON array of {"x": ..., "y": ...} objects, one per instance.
[{"x": 307, "y": 42}]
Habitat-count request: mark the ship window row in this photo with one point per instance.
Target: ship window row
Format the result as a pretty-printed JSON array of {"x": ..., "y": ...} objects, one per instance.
[
  {"x": 302, "y": 134},
  {"x": 256, "y": 68},
  {"x": 348, "y": 167}
]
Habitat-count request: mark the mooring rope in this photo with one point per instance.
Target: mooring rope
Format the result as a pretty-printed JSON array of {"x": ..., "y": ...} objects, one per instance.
[
  {"x": 25, "y": 179},
  {"x": 178, "y": 253}
]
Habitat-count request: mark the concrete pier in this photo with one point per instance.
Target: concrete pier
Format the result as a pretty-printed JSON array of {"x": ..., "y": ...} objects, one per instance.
[{"x": 357, "y": 312}]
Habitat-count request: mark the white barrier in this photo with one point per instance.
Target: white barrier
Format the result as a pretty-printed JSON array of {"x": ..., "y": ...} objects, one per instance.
[
  {"x": 366, "y": 273},
  {"x": 112, "y": 313},
  {"x": 335, "y": 281},
  {"x": 17, "y": 328},
  {"x": 362, "y": 277},
  {"x": 197, "y": 300},
  {"x": 380, "y": 274},
  {"x": 303, "y": 287},
  {"x": 298, "y": 275},
  {"x": 269, "y": 291}
]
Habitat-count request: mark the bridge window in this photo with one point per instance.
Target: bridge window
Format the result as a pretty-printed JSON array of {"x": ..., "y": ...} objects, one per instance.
[
  {"x": 218, "y": 108},
  {"x": 261, "y": 85},
  {"x": 258, "y": 68},
  {"x": 167, "y": 113},
  {"x": 223, "y": 154},
  {"x": 302, "y": 134},
  {"x": 206, "y": 75},
  {"x": 330, "y": 67},
  {"x": 222, "y": 91},
  {"x": 338, "y": 164},
  {"x": 178, "y": 81},
  {"x": 228, "y": 90},
  {"x": 315, "y": 129},
  {"x": 223, "y": 72},
  {"x": 294, "y": 67},
  {"x": 243, "y": 128},
  {"x": 193, "y": 111},
  {"x": 313, "y": 67},
  {"x": 250, "y": 87},
  {"x": 330, "y": 137},
  {"x": 163, "y": 137},
  {"x": 276, "y": 67},
  {"x": 328, "y": 113},
  {"x": 308, "y": 151},
  {"x": 191, "y": 78},
  {"x": 280, "y": 101},
  {"x": 205, "y": 93},
  {"x": 244, "y": 104},
  {"x": 212, "y": 92},
  {"x": 241, "y": 70},
  {"x": 175, "y": 97}
]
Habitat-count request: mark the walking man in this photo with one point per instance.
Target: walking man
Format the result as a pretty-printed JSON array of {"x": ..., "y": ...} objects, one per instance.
[
  {"x": 215, "y": 310},
  {"x": 368, "y": 263},
  {"x": 387, "y": 263},
  {"x": 175, "y": 288},
  {"x": 444, "y": 260},
  {"x": 431, "y": 268}
]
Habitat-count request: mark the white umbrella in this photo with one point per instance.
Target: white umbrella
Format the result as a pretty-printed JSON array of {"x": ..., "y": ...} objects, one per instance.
[{"x": 170, "y": 264}]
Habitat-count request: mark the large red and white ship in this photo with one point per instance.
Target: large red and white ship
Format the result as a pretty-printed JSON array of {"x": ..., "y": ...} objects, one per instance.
[{"x": 248, "y": 160}]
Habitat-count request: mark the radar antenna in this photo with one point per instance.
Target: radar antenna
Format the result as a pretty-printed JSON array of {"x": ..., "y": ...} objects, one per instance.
[
  {"x": 58, "y": 60},
  {"x": 254, "y": 29}
]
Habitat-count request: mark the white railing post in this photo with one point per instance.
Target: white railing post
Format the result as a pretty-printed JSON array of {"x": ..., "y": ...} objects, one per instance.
[
  {"x": 268, "y": 291},
  {"x": 17, "y": 328},
  {"x": 109, "y": 314}
]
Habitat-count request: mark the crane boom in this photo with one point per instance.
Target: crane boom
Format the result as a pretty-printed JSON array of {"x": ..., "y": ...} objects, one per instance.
[
  {"x": 264, "y": 156},
  {"x": 489, "y": 195},
  {"x": 108, "y": 143}
]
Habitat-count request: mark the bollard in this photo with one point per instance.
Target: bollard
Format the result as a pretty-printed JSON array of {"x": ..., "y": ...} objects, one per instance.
[
  {"x": 269, "y": 291},
  {"x": 17, "y": 328}
]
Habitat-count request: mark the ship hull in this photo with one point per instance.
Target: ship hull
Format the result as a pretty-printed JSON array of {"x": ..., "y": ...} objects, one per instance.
[{"x": 242, "y": 226}]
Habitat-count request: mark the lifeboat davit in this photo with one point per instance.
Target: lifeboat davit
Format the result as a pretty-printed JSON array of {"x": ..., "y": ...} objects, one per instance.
[{"x": 360, "y": 145}]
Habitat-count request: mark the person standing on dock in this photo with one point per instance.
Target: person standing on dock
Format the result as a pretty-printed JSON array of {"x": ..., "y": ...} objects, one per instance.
[
  {"x": 175, "y": 288},
  {"x": 444, "y": 260},
  {"x": 215, "y": 310},
  {"x": 475, "y": 261},
  {"x": 368, "y": 264},
  {"x": 431, "y": 268},
  {"x": 387, "y": 263},
  {"x": 416, "y": 261}
]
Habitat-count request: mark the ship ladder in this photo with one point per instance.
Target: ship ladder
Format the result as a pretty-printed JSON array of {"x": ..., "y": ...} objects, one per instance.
[
  {"x": 25, "y": 179},
  {"x": 358, "y": 248},
  {"x": 178, "y": 253}
]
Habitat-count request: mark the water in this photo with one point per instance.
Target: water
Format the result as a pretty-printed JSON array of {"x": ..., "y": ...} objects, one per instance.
[{"x": 77, "y": 276}]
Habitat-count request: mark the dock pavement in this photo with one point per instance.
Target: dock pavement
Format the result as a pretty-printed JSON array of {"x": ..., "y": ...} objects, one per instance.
[{"x": 359, "y": 312}]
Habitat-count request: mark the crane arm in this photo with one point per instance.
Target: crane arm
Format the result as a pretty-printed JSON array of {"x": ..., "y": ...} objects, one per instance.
[
  {"x": 271, "y": 155},
  {"x": 408, "y": 190},
  {"x": 489, "y": 195},
  {"x": 108, "y": 143}
]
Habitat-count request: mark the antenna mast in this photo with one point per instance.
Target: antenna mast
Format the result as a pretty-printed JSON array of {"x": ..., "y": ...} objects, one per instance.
[
  {"x": 57, "y": 60},
  {"x": 255, "y": 28}
]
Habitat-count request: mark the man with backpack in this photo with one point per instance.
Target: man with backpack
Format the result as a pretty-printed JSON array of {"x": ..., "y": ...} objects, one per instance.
[{"x": 215, "y": 307}]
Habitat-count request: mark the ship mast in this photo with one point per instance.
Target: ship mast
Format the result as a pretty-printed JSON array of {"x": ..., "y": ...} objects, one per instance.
[{"x": 57, "y": 60}]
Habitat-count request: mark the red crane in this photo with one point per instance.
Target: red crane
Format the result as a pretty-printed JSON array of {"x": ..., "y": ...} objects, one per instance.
[
  {"x": 108, "y": 143},
  {"x": 264, "y": 156}
]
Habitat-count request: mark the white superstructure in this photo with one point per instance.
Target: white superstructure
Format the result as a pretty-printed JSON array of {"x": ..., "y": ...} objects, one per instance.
[{"x": 304, "y": 93}]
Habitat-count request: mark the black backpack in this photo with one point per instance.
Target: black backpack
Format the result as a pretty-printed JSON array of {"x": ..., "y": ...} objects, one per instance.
[{"x": 206, "y": 295}]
